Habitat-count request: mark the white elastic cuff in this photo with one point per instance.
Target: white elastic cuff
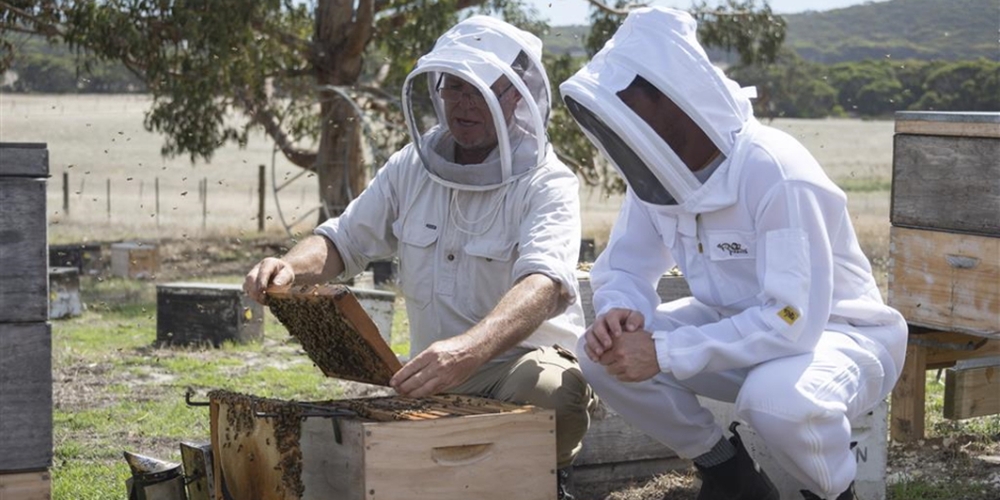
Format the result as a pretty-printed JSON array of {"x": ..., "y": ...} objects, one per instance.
[{"x": 662, "y": 355}]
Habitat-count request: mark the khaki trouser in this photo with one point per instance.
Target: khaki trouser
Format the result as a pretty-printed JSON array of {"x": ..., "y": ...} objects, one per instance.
[{"x": 548, "y": 378}]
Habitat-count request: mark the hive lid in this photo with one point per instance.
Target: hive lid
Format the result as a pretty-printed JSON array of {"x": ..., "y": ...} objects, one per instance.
[{"x": 336, "y": 333}]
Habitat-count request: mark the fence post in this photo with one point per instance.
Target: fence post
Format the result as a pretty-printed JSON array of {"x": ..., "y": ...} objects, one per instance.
[
  {"x": 204, "y": 202},
  {"x": 260, "y": 199},
  {"x": 66, "y": 194},
  {"x": 156, "y": 187},
  {"x": 109, "y": 199}
]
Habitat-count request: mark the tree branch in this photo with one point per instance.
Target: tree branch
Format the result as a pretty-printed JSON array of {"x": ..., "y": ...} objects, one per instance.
[
  {"x": 303, "y": 47},
  {"x": 264, "y": 117},
  {"x": 612, "y": 10},
  {"x": 360, "y": 31},
  {"x": 397, "y": 19},
  {"x": 43, "y": 27}
]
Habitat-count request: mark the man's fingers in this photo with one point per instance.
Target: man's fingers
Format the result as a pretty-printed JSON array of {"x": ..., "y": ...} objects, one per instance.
[
  {"x": 250, "y": 285},
  {"x": 264, "y": 275},
  {"x": 593, "y": 348},
  {"x": 634, "y": 321},
  {"x": 417, "y": 384},
  {"x": 602, "y": 334},
  {"x": 282, "y": 279},
  {"x": 408, "y": 370}
]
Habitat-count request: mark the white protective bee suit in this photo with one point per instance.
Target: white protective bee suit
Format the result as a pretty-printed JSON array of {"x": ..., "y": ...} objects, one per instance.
[
  {"x": 465, "y": 234},
  {"x": 786, "y": 319}
]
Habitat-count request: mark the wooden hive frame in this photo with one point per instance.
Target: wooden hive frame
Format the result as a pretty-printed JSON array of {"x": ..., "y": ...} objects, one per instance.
[{"x": 336, "y": 333}]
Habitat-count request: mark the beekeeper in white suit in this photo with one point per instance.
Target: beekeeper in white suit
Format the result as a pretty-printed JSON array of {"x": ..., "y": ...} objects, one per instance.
[
  {"x": 485, "y": 222},
  {"x": 786, "y": 319}
]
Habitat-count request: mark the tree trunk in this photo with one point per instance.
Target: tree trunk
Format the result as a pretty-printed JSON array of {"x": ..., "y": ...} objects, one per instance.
[
  {"x": 340, "y": 39},
  {"x": 339, "y": 166}
]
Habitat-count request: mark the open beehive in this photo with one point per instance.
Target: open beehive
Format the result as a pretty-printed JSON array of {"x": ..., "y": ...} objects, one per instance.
[
  {"x": 336, "y": 333},
  {"x": 439, "y": 447}
]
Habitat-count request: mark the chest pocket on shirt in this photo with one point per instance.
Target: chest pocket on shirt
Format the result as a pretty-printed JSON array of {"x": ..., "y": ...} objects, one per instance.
[
  {"x": 416, "y": 261},
  {"x": 733, "y": 264},
  {"x": 486, "y": 269}
]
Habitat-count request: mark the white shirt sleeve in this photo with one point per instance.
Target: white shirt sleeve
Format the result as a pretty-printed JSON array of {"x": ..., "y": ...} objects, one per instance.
[
  {"x": 363, "y": 233},
  {"x": 628, "y": 270},
  {"x": 549, "y": 233}
]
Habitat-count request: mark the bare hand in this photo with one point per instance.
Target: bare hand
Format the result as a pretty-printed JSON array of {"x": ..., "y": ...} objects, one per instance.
[
  {"x": 632, "y": 358},
  {"x": 442, "y": 366},
  {"x": 270, "y": 275},
  {"x": 609, "y": 326}
]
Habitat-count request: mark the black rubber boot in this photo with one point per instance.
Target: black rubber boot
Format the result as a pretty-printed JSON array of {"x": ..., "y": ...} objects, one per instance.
[
  {"x": 738, "y": 478},
  {"x": 564, "y": 481},
  {"x": 846, "y": 495}
]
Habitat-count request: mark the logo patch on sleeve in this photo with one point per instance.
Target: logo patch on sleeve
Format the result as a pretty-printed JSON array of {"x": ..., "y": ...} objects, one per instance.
[{"x": 789, "y": 314}]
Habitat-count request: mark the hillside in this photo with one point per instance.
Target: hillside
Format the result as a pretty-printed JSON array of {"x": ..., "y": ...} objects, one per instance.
[{"x": 900, "y": 29}]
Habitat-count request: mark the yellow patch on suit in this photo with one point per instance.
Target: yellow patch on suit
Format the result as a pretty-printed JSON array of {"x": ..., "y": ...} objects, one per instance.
[{"x": 789, "y": 314}]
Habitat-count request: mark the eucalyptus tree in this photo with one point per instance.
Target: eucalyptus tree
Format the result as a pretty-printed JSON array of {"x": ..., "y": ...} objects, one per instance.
[{"x": 319, "y": 77}]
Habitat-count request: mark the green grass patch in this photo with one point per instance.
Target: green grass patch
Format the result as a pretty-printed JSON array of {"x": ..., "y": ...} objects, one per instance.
[
  {"x": 90, "y": 479},
  {"x": 865, "y": 184},
  {"x": 937, "y": 489}
]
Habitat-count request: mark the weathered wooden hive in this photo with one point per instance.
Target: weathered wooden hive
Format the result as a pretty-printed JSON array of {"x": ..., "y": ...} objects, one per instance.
[
  {"x": 206, "y": 313},
  {"x": 25, "y": 334},
  {"x": 135, "y": 259},
  {"x": 944, "y": 272}
]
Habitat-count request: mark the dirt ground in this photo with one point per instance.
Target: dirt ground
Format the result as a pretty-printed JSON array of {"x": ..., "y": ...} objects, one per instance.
[{"x": 955, "y": 459}]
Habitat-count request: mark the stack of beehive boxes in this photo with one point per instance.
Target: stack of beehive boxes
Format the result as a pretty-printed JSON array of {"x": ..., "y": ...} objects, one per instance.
[
  {"x": 944, "y": 274},
  {"x": 25, "y": 335}
]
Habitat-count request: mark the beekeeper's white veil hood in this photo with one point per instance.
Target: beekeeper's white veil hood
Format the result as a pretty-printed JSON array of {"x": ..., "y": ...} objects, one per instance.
[
  {"x": 660, "y": 45},
  {"x": 480, "y": 50}
]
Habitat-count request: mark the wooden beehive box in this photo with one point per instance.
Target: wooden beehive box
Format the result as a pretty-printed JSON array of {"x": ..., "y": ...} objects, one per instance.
[
  {"x": 206, "y": 313},
  {"x": 436, "y": 448},
  {"x": 945, "y": 241},
  {"x": 23, "y": 233},
  {"x": 64, "y": 293},
  {"x": 25, "y": 335},
  {"x": 86, "y": 257},
  {"x": 336, "y": 333},
  {"x": 132, "y": 259}
]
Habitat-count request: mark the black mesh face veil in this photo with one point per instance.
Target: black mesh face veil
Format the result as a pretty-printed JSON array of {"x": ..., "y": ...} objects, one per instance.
[{"x": 637, "y": 174}]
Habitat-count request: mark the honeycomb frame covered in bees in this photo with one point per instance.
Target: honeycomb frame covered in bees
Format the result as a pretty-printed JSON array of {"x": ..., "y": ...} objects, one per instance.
[{"x": 336, "y": 333}]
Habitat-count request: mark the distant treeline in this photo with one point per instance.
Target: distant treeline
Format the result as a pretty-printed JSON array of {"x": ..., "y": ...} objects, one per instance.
[
  {"x": 792, "y": 87},
  {"x": 796, "y": 88},
  {"x": 55, "y": 73}
]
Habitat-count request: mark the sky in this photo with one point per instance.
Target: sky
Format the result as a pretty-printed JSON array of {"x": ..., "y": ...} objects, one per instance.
[{"x": 569, "y": 12}]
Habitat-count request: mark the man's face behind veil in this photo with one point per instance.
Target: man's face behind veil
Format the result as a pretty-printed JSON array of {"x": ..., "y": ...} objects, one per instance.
[{"x": 467, "y": 113}]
